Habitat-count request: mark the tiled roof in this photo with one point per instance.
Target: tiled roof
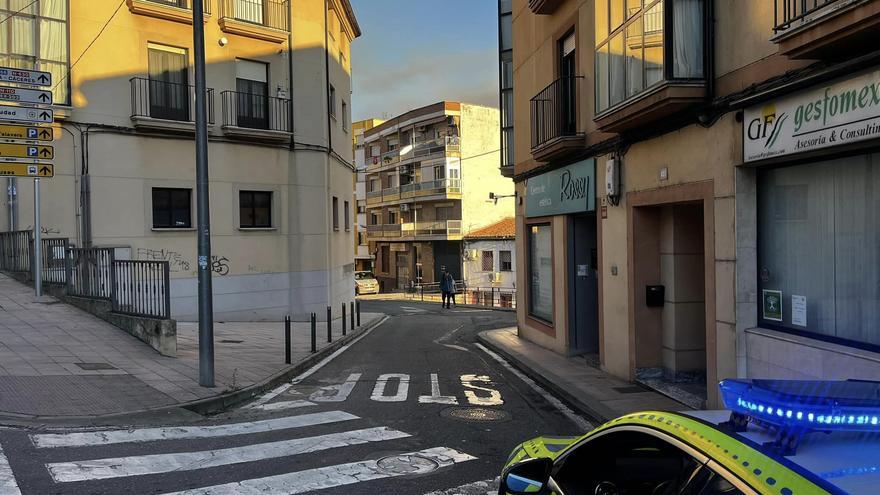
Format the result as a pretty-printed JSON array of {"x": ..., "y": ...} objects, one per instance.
[{"x": 504, "y": 229}]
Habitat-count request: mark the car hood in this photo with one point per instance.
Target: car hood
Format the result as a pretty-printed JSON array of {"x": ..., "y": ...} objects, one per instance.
[
  {"x": 366, "y": 281},
  {"x": 540, "y": 447}
]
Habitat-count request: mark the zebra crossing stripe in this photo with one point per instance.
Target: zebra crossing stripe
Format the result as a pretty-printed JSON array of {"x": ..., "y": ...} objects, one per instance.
[
  {"x": 8, "y": 485},
  {"x": 283, "y": 405},
  {"x": 64, "y": 472},
  {"x": 107, "y": 437},
  {"x": 329, "y": 477}
]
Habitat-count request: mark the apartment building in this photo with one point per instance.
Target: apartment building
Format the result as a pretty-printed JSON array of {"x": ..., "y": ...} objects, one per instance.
[
  {"x": 429, "y": 176},
  {"x": 280, "y": 155},
  {"x": 363, "y": 260},
  {"x": 734, "y": 228}
]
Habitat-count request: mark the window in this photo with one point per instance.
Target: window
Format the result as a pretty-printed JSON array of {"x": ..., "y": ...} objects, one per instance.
[
  {"x": 375, "y": 151},
  {"x": 255, "y": 209},
  {"x": 632, "y": 46},
  {"x": 33, "y": 35},
  {"x": 819, "y": 249},
  {"x": 344, "y": 115},
  {"x": 374, "y": 219},
  {"x": 332, "y": 102},
  {"x": 172, "y": 208},
  {"x": 335, "y": 213},
  {"x": 488, "y": 263},
  {"x": 169, "y": 86},
  {"x": 252, "y": 94},
  {"x": 505, "y": 261},
  {"x": 540, "y": 244},
  {"x": 443, "y": 213},
  {"x": 392, "y": 217},
  {"x": 347, "y": 216},
  {"x": 362, "y": 209},
  {"x": 439, "y": 172},
  {"x": 362, "y": 239}
]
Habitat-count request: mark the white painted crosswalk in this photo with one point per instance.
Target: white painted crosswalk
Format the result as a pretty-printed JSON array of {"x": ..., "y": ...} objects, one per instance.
[
  {"x": 331, "y": 476},
  {"x": 116, "y": 467},
  {"x": 8, "y": 485}
]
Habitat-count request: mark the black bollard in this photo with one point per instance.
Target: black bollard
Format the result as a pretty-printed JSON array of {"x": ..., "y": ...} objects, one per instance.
[
  {"x": 344, "y": 321},
  {"x": 357, "y": 305},
  {"x": 314, "y": 333},
  {"x": 287, "y": 339},
  {"x": 329, "y": 325},
  {"x": 351, "y": 308}
]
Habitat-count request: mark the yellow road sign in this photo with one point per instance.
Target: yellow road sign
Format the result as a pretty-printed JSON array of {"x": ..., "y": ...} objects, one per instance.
[
  {"x": 31, "y": 151},
  {"x": 36, "y": 170},
  {"x": 27, "y": 132}
]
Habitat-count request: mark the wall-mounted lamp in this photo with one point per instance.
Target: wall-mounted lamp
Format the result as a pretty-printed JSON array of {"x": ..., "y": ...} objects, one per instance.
[
  {"x": 223, "y": 41},
  {"x": 495, "y": 197}
]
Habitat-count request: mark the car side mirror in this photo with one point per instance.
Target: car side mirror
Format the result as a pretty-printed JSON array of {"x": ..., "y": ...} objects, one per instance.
[{"x": 527, "y": 477}]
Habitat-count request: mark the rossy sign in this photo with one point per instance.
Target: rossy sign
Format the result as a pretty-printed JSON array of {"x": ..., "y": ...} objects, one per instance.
[
  {"x": 844, "y": 111},
  {"x": 570, "y": 189}
]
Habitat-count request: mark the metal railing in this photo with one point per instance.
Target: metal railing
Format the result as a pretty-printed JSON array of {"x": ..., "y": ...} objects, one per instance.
[
  {"x": 166, "y": 100},
  {"x": 415, "y": 229},
  {"x": 554, "y": 111},
  {"x": 419, "y": 149},
  {"x": 142, "y": 288},
  {"x": 497, "y": 297},
  {"x": 790, "y": 13},
  {"x": 183, "y": 4},
  {"x": 54, "y": 255},
  {"x": 255, "y": 111},
  {"x": 90, "y": 273},
  {"x": 268, "y": 13},
  {"x": 16, "y": 251}
]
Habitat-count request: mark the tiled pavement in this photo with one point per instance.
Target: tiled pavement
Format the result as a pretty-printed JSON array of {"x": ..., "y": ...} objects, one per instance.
[{"x": 46, "y": 349}]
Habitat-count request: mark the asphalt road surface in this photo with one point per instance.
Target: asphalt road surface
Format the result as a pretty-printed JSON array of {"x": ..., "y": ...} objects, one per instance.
[{"x": 416, "y": 406}]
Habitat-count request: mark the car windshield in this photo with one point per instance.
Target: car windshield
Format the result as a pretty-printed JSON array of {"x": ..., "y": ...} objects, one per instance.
[{"x": 363, "y": 275}]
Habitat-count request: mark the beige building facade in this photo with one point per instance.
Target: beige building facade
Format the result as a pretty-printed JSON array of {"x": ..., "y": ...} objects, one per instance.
[
  {"x": 362, "y": 258},
  {"x": 723, "y": 245},
  {"x": 429, "y": 175},
  {"x": 280, "y": 156}
]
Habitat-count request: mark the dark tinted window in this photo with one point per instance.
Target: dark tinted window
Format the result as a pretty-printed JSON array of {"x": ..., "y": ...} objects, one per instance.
[
  {"x": 171, "y": 208},
  {"x": 255, "y": 209}
]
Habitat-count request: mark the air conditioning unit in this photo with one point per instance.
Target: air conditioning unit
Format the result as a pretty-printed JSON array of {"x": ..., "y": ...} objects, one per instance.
[
  {"x": 495, "y": 278},
  {"x": 404, "y": 207}
]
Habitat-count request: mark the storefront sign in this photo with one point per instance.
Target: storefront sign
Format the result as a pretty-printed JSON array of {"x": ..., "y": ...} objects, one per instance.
[
  {"x": 570, "y": 189},
  {"x": 843, "y": 112}
]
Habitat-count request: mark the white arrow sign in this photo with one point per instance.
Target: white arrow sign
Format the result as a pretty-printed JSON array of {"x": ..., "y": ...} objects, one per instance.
[
  {"x": 24, "y": 114},
  {"x": 23, "y": 76},
  {"x": 22, "y": 95}
]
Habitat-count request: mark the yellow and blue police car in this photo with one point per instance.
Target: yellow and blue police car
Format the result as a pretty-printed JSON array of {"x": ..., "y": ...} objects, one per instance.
[{"x": 777, "y": 437}]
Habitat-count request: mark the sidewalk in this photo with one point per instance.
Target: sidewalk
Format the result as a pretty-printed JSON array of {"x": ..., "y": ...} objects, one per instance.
[
  {"x": 57, "y": 361},
  {"x": 594, "y": 393}
]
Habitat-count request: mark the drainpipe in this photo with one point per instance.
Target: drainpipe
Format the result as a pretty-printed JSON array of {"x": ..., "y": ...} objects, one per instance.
[
  {"x": 11, "y": 192},
  {"x": 290, "y": 71},
  {"x": 327, "y": 220}
]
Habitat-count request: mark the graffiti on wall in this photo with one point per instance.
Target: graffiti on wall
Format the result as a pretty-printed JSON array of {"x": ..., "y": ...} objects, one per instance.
[
  {"x": 220, "y": 265},
  {"x": 175, "y": 260}
]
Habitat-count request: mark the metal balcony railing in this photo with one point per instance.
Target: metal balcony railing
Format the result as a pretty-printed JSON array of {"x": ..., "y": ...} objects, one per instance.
[
  {"x": 268, "y": 13},
  {"x": 255, "y": 111},
  {"x": 792, "y": 13},
  {"x": 166, "y": 101},
  {"x": 183, "y": 4},
  {"x": 554, "y": 111}
]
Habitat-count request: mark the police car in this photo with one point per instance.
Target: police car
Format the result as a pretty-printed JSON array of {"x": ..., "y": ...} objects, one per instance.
[{"x": 777, "y": 437}]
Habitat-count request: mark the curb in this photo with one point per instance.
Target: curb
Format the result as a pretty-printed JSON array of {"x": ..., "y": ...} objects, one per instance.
[
  {"x": 203, "y": 407},
  {"x": 597, "y": 414}
]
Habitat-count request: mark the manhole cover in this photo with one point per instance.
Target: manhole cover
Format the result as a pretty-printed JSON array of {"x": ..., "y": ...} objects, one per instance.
[
  {"x": 95, "y": 366},
  {"x": 479, "y": 414},
  {"x": 407, "y": 464}
]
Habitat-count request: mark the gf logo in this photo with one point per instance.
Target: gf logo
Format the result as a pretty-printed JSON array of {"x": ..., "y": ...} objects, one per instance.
[{"x": 766, "y": 127}]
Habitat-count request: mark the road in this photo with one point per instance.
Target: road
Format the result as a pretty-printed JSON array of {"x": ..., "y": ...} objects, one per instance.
[{"x": 414, "y": 407}]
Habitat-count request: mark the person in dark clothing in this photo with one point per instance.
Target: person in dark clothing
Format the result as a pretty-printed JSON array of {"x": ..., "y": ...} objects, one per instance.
[
  {"x": 444, "y": 289},
  {"x": 448, "y": 288}
]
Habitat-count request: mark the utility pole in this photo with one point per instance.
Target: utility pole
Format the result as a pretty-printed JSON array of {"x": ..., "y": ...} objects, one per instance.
[{"x": 206, "y": 305}]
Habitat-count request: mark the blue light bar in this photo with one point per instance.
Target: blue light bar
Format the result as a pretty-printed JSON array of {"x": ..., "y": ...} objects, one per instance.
[{"x": 849, "y": 405}]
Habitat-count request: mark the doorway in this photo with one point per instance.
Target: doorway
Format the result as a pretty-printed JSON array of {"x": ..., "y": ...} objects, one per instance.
[
  {"x": 583, "y": 282},
  {"x": 669, "y": 314}
]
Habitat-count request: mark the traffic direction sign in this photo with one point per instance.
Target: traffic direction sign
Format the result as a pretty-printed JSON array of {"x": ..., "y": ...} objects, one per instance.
[
  {"x": 25, "y": 114},
  {"x": 35, "y": 170},
  {"x": 27, "y": 132},
  {"x": 23, "y": 76},
  {"x": 24, "y": 95},
  {"x": 26, "y": 151}
]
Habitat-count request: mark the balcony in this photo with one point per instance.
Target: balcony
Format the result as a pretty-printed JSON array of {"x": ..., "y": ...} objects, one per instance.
[
  {"x": 166, "y": 106},
  {"x": 255, "y": 116},
  {"x": 429, "y": 190},
  {"x": 262, "y": 19},
  {"x": 554, "y": 113},
  {"x": 447, "y": 145},
  {"x": 544, "y": 7},
  {"x": 172, "y": 10},
  {"x": 826, "y": 29},
  {"x": 416, "y": 231}
]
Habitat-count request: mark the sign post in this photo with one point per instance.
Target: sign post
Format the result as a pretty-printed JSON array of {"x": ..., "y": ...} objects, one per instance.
[{"x": 17, "y": 159}]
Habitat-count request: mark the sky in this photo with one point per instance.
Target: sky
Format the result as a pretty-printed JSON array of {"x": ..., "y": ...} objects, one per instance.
[{"x": 416, "y": 52}]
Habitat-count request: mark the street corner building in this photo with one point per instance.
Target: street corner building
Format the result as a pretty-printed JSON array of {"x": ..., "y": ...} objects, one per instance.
[
  {"x": 280, "y": 155},
  {"x": 699, "y": 184},
  {"x": 428, "y": 178}
]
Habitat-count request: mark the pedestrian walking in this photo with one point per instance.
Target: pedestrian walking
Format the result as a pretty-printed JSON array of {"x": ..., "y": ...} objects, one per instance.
[
  {"x": 444, "y": 289},
  {"x": 450, "y": 289}
]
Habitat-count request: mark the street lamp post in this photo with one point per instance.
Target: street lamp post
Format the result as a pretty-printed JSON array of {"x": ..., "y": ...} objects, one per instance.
[{"x": 206, "y": 309}]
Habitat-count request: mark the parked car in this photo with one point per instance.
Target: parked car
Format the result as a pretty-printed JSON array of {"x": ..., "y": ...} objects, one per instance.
[
  {"x": 365, "y": 283},
  {"x": 779, "y": 437}
]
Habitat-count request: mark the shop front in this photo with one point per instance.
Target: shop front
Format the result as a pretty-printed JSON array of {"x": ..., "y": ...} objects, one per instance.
[
  {"x": 814, "y": 160},
  {"x": 558, "y": 306}
]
